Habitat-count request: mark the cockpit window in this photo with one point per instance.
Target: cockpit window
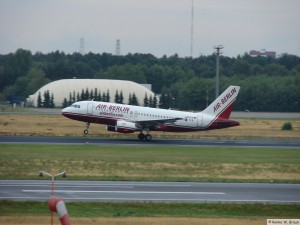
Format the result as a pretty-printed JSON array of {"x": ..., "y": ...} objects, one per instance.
[{"x": 75, "y": 106}]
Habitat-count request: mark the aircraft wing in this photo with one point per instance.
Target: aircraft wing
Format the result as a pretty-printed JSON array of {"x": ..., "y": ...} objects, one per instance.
[{"x": 152, "y": 122}]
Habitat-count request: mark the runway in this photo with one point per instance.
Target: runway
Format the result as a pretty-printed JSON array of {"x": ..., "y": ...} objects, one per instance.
[
  {"x": 188, "y": 192},
  {"x": 117, "y": 191},
  {"x": 154, "y": 142}
]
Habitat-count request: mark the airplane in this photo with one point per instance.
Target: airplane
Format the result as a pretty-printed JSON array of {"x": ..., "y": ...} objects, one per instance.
[{"x": 128, "y": 118}]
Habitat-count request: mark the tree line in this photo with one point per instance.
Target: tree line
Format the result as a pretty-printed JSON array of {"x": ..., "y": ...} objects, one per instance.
[
  {"x": 47, "y": 101},
  {"x": 267, "y": 84},
  {"x": 104, "y": 97}
]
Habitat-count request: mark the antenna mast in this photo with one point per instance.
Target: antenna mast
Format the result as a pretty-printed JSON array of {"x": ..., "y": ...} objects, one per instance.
[
  {"x": 192, "y": 28},
  {"x": 118, "y": 47},
  {"x": 81, "y": 46}
]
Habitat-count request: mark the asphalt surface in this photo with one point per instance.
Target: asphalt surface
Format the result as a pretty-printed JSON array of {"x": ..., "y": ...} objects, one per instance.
[
  {"x": 116, "y": 191},
  {"x": 154, "y": 142}
]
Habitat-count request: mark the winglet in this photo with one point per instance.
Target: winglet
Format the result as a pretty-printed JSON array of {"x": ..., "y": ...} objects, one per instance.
[{"x": 223, "y": 105}]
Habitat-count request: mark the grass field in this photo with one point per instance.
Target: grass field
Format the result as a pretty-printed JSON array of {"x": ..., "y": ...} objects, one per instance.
[
  {"x": 150, "y": 163},
  {"x": 84, "y": 209},
  {"x": 57, "y": 125},
  {"x": 148, "y": 213},
  {"x": 39, "y": 220},
  {"x": 90, "y": 162}
]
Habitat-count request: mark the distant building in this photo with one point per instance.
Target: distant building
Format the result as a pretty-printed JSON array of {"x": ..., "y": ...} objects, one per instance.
[
  {"x": 263, "y": 53},
  {"x": 62, "y": 89}
]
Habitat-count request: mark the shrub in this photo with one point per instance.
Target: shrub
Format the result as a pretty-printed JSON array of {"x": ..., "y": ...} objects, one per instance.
[{"x": 287, "y": 126}]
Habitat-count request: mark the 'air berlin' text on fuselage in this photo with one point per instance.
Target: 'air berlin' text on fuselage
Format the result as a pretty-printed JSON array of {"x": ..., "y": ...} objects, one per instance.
[{"x": 112, "y": 108}]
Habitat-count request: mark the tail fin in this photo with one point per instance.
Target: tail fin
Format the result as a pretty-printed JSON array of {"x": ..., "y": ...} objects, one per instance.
[{"x": 223, "y": 105}]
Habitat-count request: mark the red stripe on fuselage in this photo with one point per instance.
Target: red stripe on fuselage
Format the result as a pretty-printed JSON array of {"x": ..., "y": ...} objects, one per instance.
[{"x": 91, "y": 119}]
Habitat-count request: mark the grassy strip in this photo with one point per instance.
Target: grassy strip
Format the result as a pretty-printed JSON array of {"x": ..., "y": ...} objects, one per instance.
[
  {"x": 151, "y": 163},
  {"x": 57, "y": 125},
  {"x": 150, "y": 153},
  {"x": 207, "y": 210}
]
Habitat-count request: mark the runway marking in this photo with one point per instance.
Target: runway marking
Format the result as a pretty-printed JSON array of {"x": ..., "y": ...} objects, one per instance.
[
  {"x": 158, "y": 200},
  {"x": 67, "y": 186},
  {"x": 127, "y": 192},
  {"x": 57, "y": 184}
]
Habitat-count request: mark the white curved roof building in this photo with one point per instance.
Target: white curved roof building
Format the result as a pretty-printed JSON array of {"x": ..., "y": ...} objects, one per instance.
[{"x": 61, "y": 89}]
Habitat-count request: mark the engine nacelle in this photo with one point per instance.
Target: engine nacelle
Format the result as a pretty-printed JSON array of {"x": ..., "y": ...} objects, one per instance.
[{"x": 122, "y": 127}]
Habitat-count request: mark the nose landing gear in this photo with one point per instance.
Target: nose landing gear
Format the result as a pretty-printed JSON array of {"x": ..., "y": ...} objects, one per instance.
[{"x": 86, "y": 130}]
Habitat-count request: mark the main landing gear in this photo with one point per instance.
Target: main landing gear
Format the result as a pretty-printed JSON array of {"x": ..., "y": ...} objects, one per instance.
[
  {"x": 86, "y": 130},
  {"x": 143, "y": 137}
]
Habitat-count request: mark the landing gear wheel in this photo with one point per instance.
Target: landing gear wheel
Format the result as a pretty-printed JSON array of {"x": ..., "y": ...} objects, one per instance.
[
  {"x": 148, "y": 137},
  {"x": 141, "y": 136},
  {"x": 86, "y": 130}
]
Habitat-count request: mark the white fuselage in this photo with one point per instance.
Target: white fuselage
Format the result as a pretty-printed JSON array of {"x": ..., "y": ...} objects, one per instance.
[{"x": 128, "y": 118}]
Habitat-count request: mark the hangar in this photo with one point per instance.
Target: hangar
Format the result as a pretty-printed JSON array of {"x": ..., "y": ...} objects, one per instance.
[{"x": 61, "y": 89}]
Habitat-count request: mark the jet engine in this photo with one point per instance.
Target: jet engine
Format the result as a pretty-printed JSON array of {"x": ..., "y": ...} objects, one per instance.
[{"x": 122, "y": 127}]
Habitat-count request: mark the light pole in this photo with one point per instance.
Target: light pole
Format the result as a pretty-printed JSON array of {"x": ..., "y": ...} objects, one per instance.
[
  {"x": 52, "y": 175},
  {"x": 218, "y": 53}
]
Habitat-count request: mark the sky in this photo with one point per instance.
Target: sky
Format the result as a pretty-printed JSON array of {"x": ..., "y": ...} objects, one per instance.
[{"x": 158, "y": 27}]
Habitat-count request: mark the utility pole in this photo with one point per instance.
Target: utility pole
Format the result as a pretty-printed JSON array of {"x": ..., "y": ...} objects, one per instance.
[{"x": 218, "y": 53}]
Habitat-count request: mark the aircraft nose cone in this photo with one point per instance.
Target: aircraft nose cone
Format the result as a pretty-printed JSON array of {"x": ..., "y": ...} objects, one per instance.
[{"x": 65, "y": 110}]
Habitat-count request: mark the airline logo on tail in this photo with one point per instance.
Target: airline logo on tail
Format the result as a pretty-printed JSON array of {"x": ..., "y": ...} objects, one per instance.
[{"x": 223, "y": 101}]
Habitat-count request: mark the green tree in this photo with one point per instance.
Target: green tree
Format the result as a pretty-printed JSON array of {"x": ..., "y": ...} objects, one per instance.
[
  {"x": 104, "y": 99},
  {"x": 87, "y": 94},
  {"x": 36, "y": 78},
  {"x": 107, "y": 96},
  {"x": 92, "y": 94},
  {"x": 51, "y": 101},
  {"x": 154, "y": 104},
  {"x": 13, "y": 66},
  {"x": 150, "y": 101},
  {"x": 117, "y": 97},
  {"x": 39, "y": 101},
  {"x": 241, "y": 67},
  {"x": 70, "y": 102},
  {"x": 125, "y": 72},
  {"x": 27, "y": 84},
  {"x": 156, "y": 75},
  {"x": 275, "y": 70},
  {"x": 46, "y": 102},
  {"x": 130, "y": 99},
  {"x": 165, "y": 100},
  {"x": 146, "y": 100},
  {"x": 121, "y": 98},
  {"x": 65, "y": 103},
  {"x": 134, "y": 100}
]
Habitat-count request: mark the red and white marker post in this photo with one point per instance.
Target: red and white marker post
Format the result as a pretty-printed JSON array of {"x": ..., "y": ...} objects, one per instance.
[{"x": 57, "y": 204}]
